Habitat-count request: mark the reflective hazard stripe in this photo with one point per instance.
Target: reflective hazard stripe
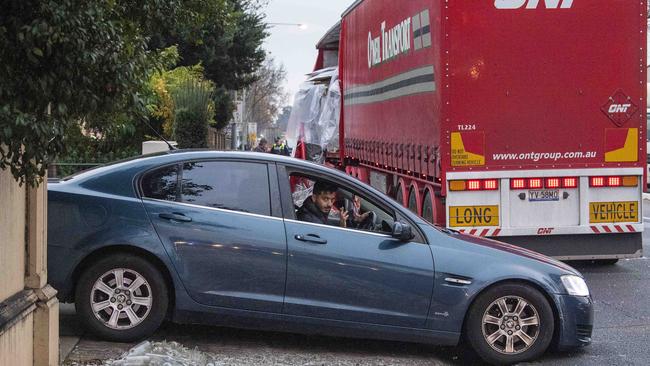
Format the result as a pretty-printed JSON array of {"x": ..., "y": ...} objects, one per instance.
[
  {"x": 613, "y": 229},
  {"x": 482, "y": 233}
]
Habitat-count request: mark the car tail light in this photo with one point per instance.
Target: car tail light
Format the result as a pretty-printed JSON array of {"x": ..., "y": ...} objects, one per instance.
[
  {"x": 474, "y": 185},
  {"x": 535, "y": 183},
  {"x": 518, "y": 183},
  {"x": 552, "y": 183},
  {"x": 570, "y": 183},
  {"x": 613, "y": 181}
]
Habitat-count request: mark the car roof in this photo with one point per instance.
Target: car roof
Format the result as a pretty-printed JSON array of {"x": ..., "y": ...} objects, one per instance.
[{"x": 171, "y": 157}]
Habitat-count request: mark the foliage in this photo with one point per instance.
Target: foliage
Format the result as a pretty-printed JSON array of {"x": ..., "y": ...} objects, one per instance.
[
  {"x": 225, "y": 36},
  {"x": 283, "y": 118},
  {"x": 224, "y": 107},
  {"x": 64, "y": 61},
  {"x": 266, "y": 95},
  {"x": 90, "y": 149},
  {"x": 194, "y": 110}
]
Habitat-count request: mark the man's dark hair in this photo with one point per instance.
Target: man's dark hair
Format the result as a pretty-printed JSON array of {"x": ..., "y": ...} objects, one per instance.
[
  {"x": 263, "y": 141},
  {"x": 324, "y": 187}
]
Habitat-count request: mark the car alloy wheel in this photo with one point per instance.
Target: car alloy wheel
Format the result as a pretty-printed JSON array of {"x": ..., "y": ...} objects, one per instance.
[
  {"x": 121, "y": 298},
  {"x": 511, "y": 325}
]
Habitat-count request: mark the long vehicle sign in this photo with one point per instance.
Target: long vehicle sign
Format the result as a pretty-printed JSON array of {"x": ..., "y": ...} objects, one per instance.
[
  {"x": 612, "y": 212},
  {"x": 473, "y": 216}
]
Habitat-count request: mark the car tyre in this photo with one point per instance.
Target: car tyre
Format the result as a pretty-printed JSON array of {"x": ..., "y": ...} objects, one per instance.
[
  {"x": 510, "y": 323},
  {"x": 126, "y": 313}
]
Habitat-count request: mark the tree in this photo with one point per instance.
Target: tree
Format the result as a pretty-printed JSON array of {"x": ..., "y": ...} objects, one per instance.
[
  {"x": 194, "y": 109},
  {"x": 64, "y": 61},
  {"x": 70, "y": 63},
  {"x": 265, "y": 96},
  {"x": 225, "y": 37},
  {"x": 283, "y": 118}
]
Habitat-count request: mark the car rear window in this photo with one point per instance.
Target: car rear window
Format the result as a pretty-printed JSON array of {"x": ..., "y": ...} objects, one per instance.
[{"x": 162, "y": 184}]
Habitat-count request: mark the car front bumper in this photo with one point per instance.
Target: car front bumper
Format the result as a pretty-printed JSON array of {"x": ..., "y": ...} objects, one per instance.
[{"x": 576, "y": 321}]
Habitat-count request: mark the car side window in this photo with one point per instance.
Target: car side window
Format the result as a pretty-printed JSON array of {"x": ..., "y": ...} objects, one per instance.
[
  {"x": 363, "y": 214},
  {"x": 227, "y": 185},
  {"x": 161, "y": 184}
]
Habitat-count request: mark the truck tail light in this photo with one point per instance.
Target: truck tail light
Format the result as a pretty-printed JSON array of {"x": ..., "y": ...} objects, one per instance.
[
  {"x": 613, "y": 181},
  {"x": 540, "y": 183},
  {"x": 535, "y": 183},
  {"x": 474, "y": 185},
  {"x": 490, "y": 185},
  {"x": 630, "y": 181},
  {"x": 518, "y": 183},
  {"x": 457, "y": 185},
  {"x": 570, "y": 183},
  {"x": 597, "y": 182},
  {"x": 552, "y": 183}
]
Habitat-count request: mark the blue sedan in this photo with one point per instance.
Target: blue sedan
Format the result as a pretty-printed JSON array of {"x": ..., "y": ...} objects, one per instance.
[{"x": 266, "y": 242}]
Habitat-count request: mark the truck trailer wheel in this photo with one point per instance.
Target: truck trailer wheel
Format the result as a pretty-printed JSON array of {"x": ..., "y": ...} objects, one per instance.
[
  {"x": 399, "y": 194},
  {"x": 413, "y": 201},
  {"x": 427, "y": 207}
]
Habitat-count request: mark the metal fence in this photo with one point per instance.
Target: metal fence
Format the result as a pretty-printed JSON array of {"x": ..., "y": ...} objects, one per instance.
[
  {"x": 60, "y": 170},
  {"x": 217, "y": 140}
]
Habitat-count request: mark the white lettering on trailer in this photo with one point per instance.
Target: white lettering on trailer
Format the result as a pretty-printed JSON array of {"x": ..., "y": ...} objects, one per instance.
[
  {"x": 390, "y": 43},
  {"x": 619, "y": 108},
  {"x": 374, "y": 50},
  {"x": 532, "y": 4}
]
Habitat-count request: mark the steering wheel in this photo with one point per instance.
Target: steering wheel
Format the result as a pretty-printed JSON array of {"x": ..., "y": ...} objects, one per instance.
[{"x": 369, "y": 224}]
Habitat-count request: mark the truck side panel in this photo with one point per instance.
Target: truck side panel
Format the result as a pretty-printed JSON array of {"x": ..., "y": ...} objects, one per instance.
[
  {"x": 545, "y": 88},
  {"x": 391, "y": 73}
]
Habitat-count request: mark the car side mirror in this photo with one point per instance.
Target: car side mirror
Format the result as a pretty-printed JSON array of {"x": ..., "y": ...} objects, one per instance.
[{"x": 402, "y": 231}]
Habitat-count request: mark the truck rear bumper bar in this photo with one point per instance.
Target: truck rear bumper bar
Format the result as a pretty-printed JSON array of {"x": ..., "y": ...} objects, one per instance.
[
  {"x": 582, "y": 247},
  {"x": 501, "y": 233}
]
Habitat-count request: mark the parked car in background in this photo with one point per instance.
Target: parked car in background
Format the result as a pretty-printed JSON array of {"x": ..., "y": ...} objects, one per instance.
[{"x": 213, "y": 238}]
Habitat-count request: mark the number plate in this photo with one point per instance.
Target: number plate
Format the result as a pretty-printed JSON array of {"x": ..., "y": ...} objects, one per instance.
[
  {"x": 544, "y": 195},
  {"x": 472, "y": 216},
  {"x": 610, "y": 212}
]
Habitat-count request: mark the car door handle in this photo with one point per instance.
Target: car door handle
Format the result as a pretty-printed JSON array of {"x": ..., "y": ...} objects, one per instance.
[
  {"x": 175, "y": 217},
  {"x": 311, "y": 238}
]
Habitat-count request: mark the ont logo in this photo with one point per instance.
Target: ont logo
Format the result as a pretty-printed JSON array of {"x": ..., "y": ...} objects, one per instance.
[
  {"x": 533, "y": 4},
  {"x": 619, "y": 108}
]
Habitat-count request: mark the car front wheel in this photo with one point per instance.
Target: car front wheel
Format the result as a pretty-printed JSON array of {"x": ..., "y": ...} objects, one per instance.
[
  {"x": 510, "y": 323},
  {"x": 121, "y": 298}
]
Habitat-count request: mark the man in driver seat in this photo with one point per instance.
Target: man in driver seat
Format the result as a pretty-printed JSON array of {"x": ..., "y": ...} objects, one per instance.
[{"x": 317, "y": 207}]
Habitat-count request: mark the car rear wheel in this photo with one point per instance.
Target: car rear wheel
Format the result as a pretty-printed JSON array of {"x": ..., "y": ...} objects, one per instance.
[
  {"x": 510, "y": 323},
  {"x": 121, "y": 298}
]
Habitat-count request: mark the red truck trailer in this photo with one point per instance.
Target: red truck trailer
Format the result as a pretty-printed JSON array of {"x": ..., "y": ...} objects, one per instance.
[{"x": 521, "y": 120}]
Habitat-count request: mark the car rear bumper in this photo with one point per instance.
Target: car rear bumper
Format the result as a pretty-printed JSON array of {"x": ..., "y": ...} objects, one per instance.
[{"x": 576, "y": 321}]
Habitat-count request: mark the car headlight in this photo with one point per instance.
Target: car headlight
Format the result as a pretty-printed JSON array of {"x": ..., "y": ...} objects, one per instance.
[{"x": 575, "y": 285}]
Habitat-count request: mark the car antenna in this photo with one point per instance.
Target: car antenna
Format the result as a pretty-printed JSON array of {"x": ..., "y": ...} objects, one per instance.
[{"x": 171, "y": 147}]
